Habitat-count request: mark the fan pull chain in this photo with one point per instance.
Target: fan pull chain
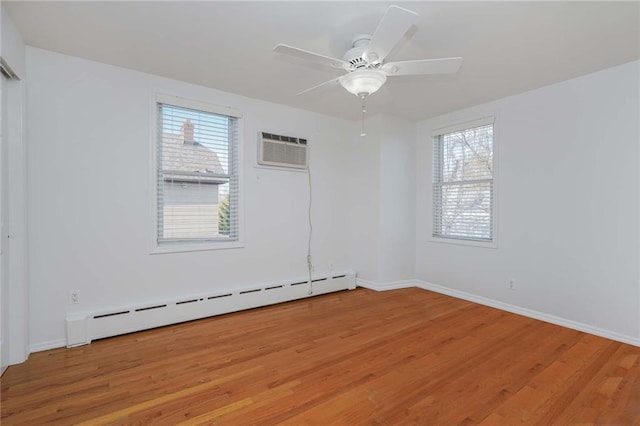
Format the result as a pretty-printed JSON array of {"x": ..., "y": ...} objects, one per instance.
[{"x": 364, "y": 110}]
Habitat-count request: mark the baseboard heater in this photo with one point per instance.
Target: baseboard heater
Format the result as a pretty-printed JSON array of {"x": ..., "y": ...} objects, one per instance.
[{"x": 82, "y": 328}]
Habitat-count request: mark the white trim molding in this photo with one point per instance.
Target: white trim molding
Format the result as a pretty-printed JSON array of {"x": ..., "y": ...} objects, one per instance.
[
  {"x": 391, "y": 285},
  {"x": 198, "y": 105},
  {"x": 45, "y": 346},
  {"x": 463, "y": 125},
  {"x": 3, "y": 362},
  {"x": 529, "y": 313}
]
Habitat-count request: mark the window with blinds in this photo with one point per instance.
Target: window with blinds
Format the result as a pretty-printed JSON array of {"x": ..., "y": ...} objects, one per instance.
[
  {"x": 197, "y": 165},
  {"x": 463, "y": 190}
]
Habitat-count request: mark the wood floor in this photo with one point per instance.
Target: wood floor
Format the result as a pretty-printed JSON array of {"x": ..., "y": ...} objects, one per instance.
[{"x": 357, "y": 357}]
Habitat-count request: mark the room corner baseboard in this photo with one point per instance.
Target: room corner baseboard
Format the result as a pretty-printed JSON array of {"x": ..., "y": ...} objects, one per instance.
[
  {"x": 529, "y": 313},
  {"x": 392, "y": 285}
]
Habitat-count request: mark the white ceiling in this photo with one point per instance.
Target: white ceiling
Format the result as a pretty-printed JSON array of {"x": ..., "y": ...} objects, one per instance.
[{"x": 508, "y": 47}]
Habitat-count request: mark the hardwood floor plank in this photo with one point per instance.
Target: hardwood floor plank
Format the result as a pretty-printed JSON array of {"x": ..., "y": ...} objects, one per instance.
[
  {"x": 589, "y": 377},
  {"x": 359, "y": 357},
  {"x": 505, "y": 372}
]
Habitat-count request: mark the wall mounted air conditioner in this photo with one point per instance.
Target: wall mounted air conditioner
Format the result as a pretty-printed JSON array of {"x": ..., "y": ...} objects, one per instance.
[{"x": 282, "y": 151}]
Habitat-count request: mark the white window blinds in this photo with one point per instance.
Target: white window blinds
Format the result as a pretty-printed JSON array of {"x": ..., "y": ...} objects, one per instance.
[
  {"x": 463, "y": 196},
  {"x": 197, "y": 166}
]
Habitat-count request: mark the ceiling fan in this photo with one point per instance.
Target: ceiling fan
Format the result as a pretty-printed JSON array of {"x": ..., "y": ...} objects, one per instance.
[{"x": 365, "y": 63}]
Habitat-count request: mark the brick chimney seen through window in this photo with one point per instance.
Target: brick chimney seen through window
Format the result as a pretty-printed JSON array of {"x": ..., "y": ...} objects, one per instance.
[{"x": 187, "y": 132}]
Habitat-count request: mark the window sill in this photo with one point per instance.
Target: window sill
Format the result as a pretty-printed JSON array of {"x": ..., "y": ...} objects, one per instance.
[
  {"x": 463, "y": 242},
  {"x": 167, "y": 248}
]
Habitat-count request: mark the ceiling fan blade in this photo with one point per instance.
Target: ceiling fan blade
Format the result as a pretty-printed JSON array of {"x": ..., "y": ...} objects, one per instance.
[
  {"x": 423, "y": 66},
  {"x": 310, "y": 56},
  {"x": 394, "y": 25},
  {"x": 327, "y": 84}
]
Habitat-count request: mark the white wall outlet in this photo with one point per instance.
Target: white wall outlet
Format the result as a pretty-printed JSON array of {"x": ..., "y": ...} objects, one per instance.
[
  {"x": 75, "y": 297},
  {"x": 511, "y": 285}
]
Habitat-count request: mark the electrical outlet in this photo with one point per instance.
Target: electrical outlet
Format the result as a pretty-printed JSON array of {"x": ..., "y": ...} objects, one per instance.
[
  {"x": 511, "y": 285},
  {"x": 75, "y": 297}
]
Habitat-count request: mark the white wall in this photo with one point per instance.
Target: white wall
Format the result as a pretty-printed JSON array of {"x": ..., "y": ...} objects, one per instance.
[
  {"x": 13, "y": 260},
  {"x": 382, "y": 205},
  {"x": 90, "y": 191},
  {"x": 397, "y": 201},
  {"x": 568, "y": 192},
  {"x": 567, "y": 203},
  {"x": 363, "y": 207}
]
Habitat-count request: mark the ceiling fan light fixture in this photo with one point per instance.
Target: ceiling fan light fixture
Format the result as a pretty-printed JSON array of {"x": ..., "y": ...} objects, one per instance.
[{"x": 363, "y": 82}]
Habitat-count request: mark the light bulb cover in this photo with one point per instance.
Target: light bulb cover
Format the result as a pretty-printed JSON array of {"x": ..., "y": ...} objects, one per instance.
[{"x": 363, "y": 82}]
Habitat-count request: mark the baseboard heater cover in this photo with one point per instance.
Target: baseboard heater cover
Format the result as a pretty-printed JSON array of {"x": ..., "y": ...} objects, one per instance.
[{"x": 82, "y": 328}]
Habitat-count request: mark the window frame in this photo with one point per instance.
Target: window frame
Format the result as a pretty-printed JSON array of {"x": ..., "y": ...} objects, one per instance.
[
  {"x": 158, "y": 247},
  {"x": 452, "y": 128}
]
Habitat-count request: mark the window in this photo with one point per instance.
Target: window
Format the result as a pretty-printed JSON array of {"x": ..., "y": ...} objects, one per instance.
[
  {"x": 197, "y": 172},
  {"x": 463, "y": 191}
]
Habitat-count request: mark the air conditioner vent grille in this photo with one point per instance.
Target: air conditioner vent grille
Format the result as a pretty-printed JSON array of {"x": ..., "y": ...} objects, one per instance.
[
  {"x": 282, "y": 151},
  {"x": 281, "y": 138}
]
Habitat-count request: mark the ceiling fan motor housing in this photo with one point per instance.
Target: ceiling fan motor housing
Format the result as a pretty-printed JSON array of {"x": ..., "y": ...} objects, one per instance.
[{"x": 354, "y": 56}]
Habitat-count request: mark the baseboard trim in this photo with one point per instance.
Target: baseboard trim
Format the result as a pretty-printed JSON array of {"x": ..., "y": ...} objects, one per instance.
[
  {"x": 45, "y": 346},
  {"x": 3, "y": 367},
  {"x": 392, "y": 285},
  {"x": 529, "y": 313},
  {"x": 395, "y": 285}
]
